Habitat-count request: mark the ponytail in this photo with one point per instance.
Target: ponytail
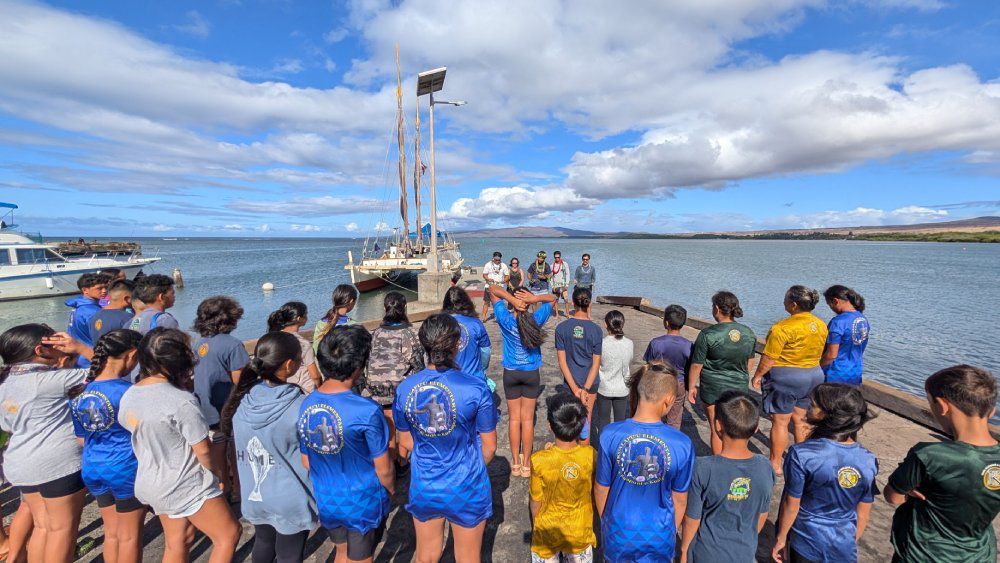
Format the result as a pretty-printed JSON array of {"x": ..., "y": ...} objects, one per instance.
[
  {"x": 532, "y": 335},
  {"x": 842, "y": 412},
  {"x": 581, "y": 298},
  {"x": 804, "y": 297},
  {"x": 615, "y": 321},
  {"x": 272, "y": 351},
  {"x": 112, "y": 345},
  {"x": 728, "y": 304},
  {"x": 440, "y": 335},
  {"x": 286, "y": 316},
  {"x": 847, "y": 294},
  {"x": 343, "y": 295}
]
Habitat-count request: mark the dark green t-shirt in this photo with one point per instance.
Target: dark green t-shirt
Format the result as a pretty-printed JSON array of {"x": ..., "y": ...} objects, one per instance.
[
  {"x": 962, "y": 486},
  {"x": 723, "y": 349}
]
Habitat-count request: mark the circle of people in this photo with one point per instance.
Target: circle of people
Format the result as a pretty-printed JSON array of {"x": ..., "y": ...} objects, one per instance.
[{"x": 305, "y": 433}]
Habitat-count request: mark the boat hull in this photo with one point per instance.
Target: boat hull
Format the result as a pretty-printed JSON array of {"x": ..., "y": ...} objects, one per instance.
[{"x": 55, "y": 282}]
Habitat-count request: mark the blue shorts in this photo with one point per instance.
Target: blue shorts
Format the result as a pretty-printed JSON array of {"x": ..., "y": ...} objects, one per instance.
[
  {"x": 103, "y": 479},
  {"x": 785, "y": 388}
]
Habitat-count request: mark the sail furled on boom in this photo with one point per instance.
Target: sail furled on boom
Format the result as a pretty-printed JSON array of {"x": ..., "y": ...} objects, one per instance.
[
  {"x": 402, "y": 146},
  {"x": 417, "y": 168}
]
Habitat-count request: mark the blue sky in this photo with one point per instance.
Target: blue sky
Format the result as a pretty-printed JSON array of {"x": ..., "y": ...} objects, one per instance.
[{"x": 272, "y": 117}]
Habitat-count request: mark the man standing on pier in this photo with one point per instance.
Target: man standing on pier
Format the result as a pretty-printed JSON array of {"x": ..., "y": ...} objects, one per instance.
[
  {"x": 539, "y": 273},
  {"x": 495, "y": 272},
  {"x": 585, "y": 275}
]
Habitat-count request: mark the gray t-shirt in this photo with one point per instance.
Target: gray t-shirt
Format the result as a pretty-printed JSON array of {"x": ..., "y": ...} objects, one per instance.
[
  {"x": 302, "y": 377},
  {"x": 616, "y": 357},
  {"x": 218, "y": 357},
  {"x": 34, "y": 409},
  {"x": 150, "y": 318},
  {"x": 728, "y": 496},
  {"x": 165, "y": 422}
]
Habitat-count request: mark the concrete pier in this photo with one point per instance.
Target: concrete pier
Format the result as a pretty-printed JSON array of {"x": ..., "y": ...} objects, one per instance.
[{"x": 508, "y": 533}]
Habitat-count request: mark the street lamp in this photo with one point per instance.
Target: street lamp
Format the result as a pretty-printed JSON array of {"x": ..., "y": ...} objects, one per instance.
[{"x": 429, "y": 82}]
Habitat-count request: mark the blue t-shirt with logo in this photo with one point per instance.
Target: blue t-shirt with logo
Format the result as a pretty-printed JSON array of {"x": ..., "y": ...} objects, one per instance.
[
  {"x": 642, "y": 463},
  {"x": 515, "y": 355},
  {"x": 445, "y": 411},
  {"x": 218, "y": 357},
  {"x": 581, "y": 340},
  {"x": 850, "y": 330},
  {"x": 106, "y": 320},
  {"x": 673, "y": 349},
  {"x": 474, "y": 337},
  {"x": 342, "y": 434},
  {"x": 109, "y": 465},
  {"x": 830, "y": 479}
]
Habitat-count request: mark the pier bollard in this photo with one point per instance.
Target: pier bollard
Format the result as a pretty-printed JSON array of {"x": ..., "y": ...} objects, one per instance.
[{"x": 178, "y": 278}]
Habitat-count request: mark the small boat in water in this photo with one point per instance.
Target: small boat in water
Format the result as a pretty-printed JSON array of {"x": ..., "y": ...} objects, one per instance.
[{"x": 29, "y": 268}]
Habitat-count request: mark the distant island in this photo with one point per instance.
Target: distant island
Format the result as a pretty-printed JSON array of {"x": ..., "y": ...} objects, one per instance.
[{"x": 979, "y": 229}]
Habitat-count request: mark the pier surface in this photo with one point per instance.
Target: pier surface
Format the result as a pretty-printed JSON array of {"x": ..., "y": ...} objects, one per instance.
[{"x": 508, "y": 532}]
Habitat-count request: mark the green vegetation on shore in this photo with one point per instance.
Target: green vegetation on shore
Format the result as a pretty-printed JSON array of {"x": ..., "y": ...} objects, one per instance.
[{"x": 949, "y": 236}]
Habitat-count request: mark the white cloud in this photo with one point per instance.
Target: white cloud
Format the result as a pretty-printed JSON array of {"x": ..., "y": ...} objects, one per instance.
[
  {"x": 263, "y": 228},
  {"x": 287, "y": 66},
  {"x": 233, "y": 227},
  {"x": 351, "y": 227},
  {"x": 195, "y": 24},
  {"x": 161, "y": 228},
  {"x": 335, "y": 35},
  {"x": 323, "y": 206},
  {"x": 860, "y": 217},
  {"x": 517, "y": 202},
  {"x": 381, "y": 226},
  {"x": 306, "y": 228}
]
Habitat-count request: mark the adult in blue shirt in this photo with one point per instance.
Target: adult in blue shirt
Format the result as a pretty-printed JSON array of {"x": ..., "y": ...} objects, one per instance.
[
  {"x": 344, "y": 440},
  {"x": 847, "y": 337},
  {"x": 644, "y": 469},
  {"x": 475, "y": 349},
  {"x": 92, "y": 287},
  {"x": 440, "y": 412},
  {"x": 522, "y": 356}
]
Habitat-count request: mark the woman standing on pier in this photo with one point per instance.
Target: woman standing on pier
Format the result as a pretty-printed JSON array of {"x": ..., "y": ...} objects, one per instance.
[
  {"x": 290, "y": 318},
  {"x": 789, "y": 368},
  {"x": 848, "y": 336},
  {"x": 721, "y": 358},
  {"x": 522, "y": 357},
  {"x": 516, "y": 281}
]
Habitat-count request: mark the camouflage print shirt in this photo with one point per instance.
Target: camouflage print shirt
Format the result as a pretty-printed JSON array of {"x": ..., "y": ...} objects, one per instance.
[{"x": 396, "y": 353}]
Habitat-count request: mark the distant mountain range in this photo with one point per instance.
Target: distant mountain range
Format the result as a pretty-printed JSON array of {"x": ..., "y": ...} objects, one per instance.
[{"x": 976, "y": 225}]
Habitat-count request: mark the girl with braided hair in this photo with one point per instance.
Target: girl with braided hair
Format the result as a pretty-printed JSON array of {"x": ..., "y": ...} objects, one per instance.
[{"x": 109, "y": 465}]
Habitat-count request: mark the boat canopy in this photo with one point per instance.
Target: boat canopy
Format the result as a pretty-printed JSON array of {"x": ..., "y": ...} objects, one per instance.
[
  {"x": 426, "y": 231},
  {"x": 8, "y": 205}
]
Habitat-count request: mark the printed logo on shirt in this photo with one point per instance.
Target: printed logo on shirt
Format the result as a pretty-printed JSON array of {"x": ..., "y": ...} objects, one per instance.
[
  {"x": 739, "y": 489},
  {"x": 93, "y": 411},
  {"x": 812, "y": 328},
  {"x": 261, "y": 463},
  {"x": 571, "y": 471},
  {"x": 203, "y": 349},
  {"x": 321, "y": 429},
  {"x": 578, "y": 332},
  {"x": 430, "y": 408},
  {"x": 98, "y": 324},
  {"x": 131, "y": 421},
  {"x": 464, "y": 340},
  {"x": 848, "y": 477},
  {"x": 991, "y": 477},
  {"x": 735, "y": 335},
  {"x": 642, "y": 459},
  {"x": 10, "y": 407},
  {"x": 859, "y": 331}
]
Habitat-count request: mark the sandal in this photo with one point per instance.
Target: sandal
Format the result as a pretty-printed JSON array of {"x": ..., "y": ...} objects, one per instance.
[{"x": 515, "y": 468}]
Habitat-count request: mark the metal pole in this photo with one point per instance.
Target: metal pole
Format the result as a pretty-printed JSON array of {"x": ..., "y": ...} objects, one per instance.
[{"x": 433, "y": 266}]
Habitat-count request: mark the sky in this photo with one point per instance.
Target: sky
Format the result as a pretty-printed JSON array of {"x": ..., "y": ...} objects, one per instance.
[{"x": 277, "y": 118}]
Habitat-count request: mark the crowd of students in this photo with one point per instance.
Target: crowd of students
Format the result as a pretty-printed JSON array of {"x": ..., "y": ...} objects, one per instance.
[{"x": 305, "y": 434}]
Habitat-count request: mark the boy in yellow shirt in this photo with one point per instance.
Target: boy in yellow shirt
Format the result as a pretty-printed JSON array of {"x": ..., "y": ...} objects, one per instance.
[{"x": 561, "y": 483}]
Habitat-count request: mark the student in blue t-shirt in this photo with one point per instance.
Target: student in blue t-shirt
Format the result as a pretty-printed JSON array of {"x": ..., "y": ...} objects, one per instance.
[
  {"x": 344, "y": 440},
  {"x": 116, "y": 314},
  {"x": 93, "y": 287},
  {"x": 676, "y": 351},
  {"x": 475, "y": 349},
  {"x": 448, "y": 421},
  {"x": 109, "y": 465},
  {"x": 644, "y": 469},
  {"x": 829, "y": 481},
  {"x": 522, "y": 356},
  {"x": 847, "y": 338}
]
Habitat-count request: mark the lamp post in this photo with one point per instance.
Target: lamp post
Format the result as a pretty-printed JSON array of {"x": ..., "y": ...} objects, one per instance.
[{"x": 429, "y": 82}]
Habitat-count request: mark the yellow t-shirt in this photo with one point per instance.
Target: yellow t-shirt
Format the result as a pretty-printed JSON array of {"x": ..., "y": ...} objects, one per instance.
[
  {"x": 797, "y": 341},
  {"x": 563, "y": 481}
]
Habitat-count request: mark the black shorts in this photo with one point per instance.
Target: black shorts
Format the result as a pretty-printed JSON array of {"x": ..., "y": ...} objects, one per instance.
[
  {"x": 61, "y": 487},
  {"x": 359, "y": 546},
  {"x": 518, "y": 384},
  {"x": 107, "y": 499}
]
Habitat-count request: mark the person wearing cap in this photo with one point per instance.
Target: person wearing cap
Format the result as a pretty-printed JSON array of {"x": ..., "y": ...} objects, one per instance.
[
  {"x": 539, "y": 273},
  {"x": 495, "y": 272}
]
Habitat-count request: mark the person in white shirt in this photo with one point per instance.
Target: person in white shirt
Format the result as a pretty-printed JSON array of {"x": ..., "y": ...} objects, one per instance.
[
  {"x": 616, "y": 358},
  {"x": 495, "y": 272},
  {"x": 560, "y": 281}
]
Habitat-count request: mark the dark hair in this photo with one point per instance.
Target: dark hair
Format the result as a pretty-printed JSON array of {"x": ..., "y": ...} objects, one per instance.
[
  {"x": 581, "y": 298},
  {"x": 112, "y": 345},
  {"x": 217, "y": 315},
  {"x": 111, "y": 272},
  {"x": 566, "y": 415},
  {"x": 343, "y": 351},
  {"x": 343, "y": 295},
  {"x": 440, "y": 335},
  {"x": 557, "y": 252},
  {"x": 17, "y": 345},
  {"x": 585, "y": 256},
  {"x": 395, "y": 308},
  {"x": 675, "y": 316},
  {"x": 531, "y": 333},
  {"x": 167, "y": 351},
  {"x": 615, "y": 321},
  {"x": 458, "y": 302},
  {"x": 972, "y": 390},
  {"x": 90, "y": 280},
  {"x": 515, "y": 258},
  {"x": 121, "y": 286},
  {"x": 847, "y": 294},
  {"x": 271, "y": 352},
  {"x": 152, "y": 286},
  {"x": 843, "y": 411},
  {"x": 738, "y": 413},
  {"x": 660, "y": 377},
  {"x": 286, "y": 316},
  {"x": 497, "y": 254},
  {"x": 805, "y": 298},
  {"x": 728, "y": 304}
]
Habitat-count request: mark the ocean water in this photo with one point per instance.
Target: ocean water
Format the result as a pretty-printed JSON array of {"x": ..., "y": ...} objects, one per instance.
[{"x": 930, "y": 304}]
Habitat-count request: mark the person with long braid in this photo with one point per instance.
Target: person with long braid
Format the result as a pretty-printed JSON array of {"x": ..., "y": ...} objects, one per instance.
[
  {"x": 290, "y": 318},
  {"x": 261, "y": 416},
  {"x": 109, "y": 466},
  {"x": 345, "y": 297}
]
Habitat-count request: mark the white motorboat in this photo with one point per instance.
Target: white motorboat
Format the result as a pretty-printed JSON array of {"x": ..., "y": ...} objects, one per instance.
[{"x": 31, "y": 269}]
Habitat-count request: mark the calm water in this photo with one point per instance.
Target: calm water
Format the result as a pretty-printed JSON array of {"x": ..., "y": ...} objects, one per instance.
[{"x": 930, "y": 305}]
